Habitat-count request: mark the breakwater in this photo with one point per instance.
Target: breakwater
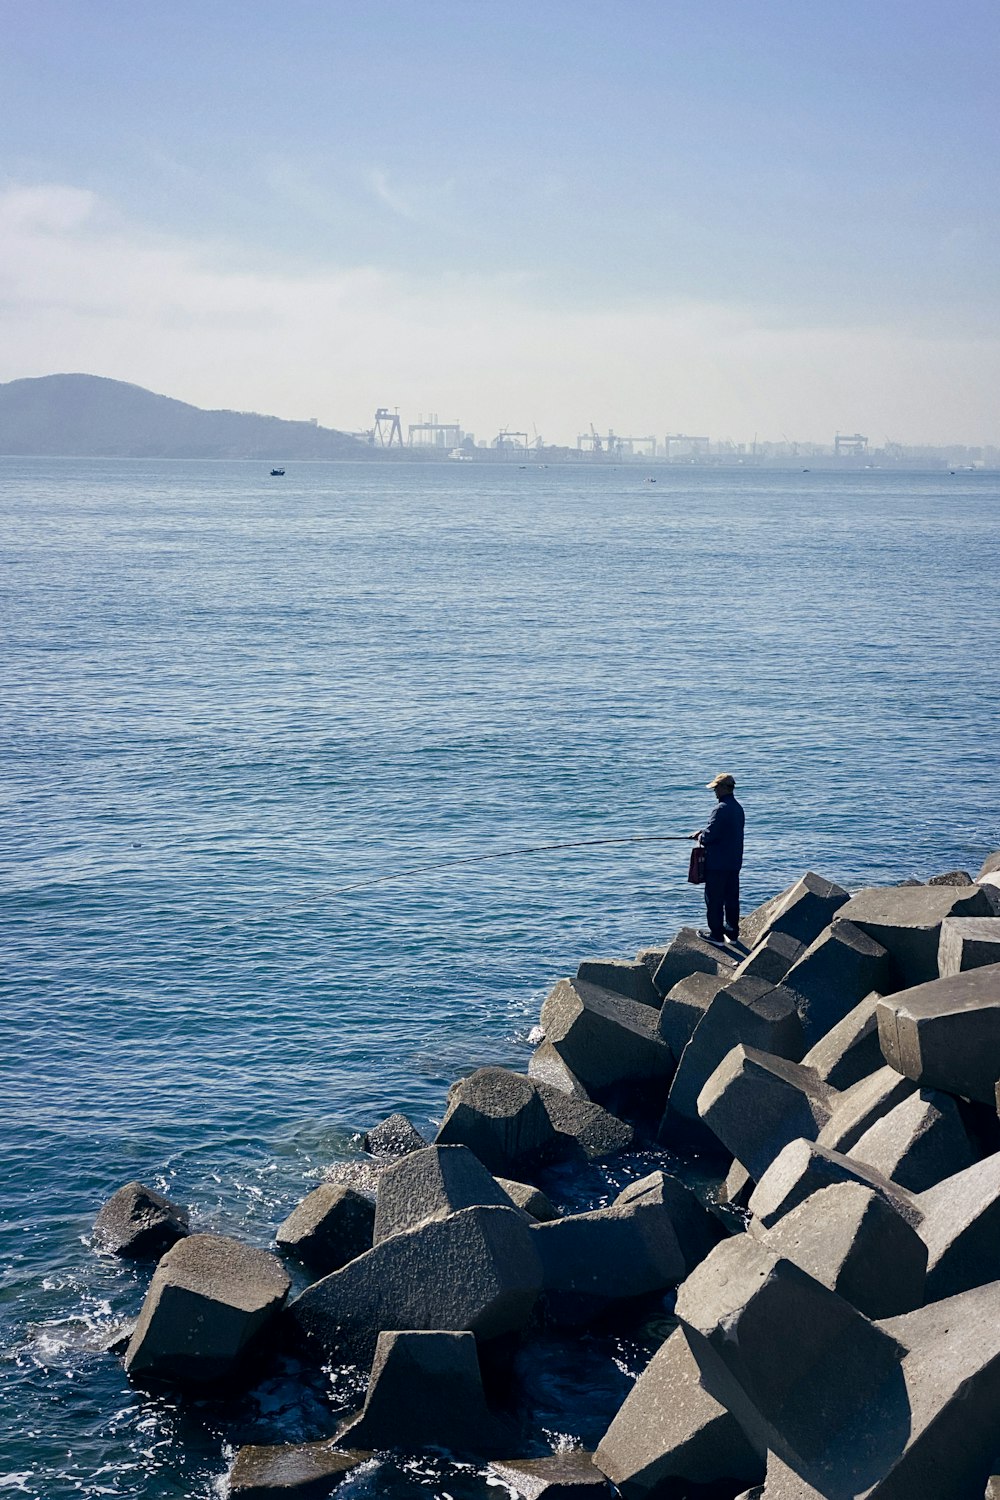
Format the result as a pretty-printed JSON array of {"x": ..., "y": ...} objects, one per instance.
[{"x": 819, "y": 1299}]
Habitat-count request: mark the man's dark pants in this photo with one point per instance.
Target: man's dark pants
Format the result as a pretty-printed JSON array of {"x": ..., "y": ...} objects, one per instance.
[{"x": 722, "y": 902}]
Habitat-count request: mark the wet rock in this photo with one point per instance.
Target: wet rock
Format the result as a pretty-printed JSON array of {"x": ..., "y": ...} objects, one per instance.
[
  {"x": 425, "y": 1390},
  {"x": 137, "y": 1222},
  {"x": 802, "y": 1371},
  {"x": 749, "y": 1011},
  {"x": 605, "y": 1039},
  {"x": 623, "y": 977},
  {"x": 907, "y": 921},
  {"x": 528, "y": 1199},
  {"x": 834, "y": 974},
  {"x": 946, "y": 1034},
  {"x": 690, "y": 954},
  {"x": 968, "y": 943},
  {"x": 331, "y": 1226},
  {"x": 394, "y": 1137},
  {"x": 771, "y": 959},
  {"x": 858, "y": 1108},
  {"x": 546, "y": 1066},
  {"x": 855, "y": 1242},
  {"x": 756, "y": 1104},
  {"x": 612, "y": 1254},
  {"x": 961, "y": 1229},
  {"x": 210, "y": 1298},
  {"x": 805, "y": 909},
  {"x": 563, "y": 1476},
  {"x": 671, "y": 1432},
  {"x": 804, "y": 1168},
  {"x": 431, "y": 1184},
  {"x": 737, "y": 1186},
  {"x": 850, "y": 1050},
  {"x": 581, "y": 1128},
  {"x": 290, "y": 1471},
  {"x": 952, "y": 877},
  {"x": 684, "y": 1007},
  {"x": 917, "y": 1144},
  {"x": 499, "y": 1116},
  {"x": 477, "y": 1271}
]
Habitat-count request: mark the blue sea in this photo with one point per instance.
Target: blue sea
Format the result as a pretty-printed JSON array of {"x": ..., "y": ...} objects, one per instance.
[{"x": 225, "y": 697}]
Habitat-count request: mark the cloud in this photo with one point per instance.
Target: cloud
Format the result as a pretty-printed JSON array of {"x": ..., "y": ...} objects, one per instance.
[{"x": 82, "y": 289}]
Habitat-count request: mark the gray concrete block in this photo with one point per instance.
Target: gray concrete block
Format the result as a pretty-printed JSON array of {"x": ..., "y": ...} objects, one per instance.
[
  {"x": 806, "y": 908},
  {"x": 530, "y": 1200},
  {"x": 569, "y": 1475},
  {"x": 614, "y": 1254},
  {"x": 137, "y": 1222},
  {"x": 771, "y": 959},
  {"x": 671, "y": 1432},
  {"x": 946, "y": 1034},
  {"x": 834, "y": 974},
  {"x": 431, "y": 1184},
  {"x": 804, "y": 1168},
  {"x": 290, "y": 1471},
  {"x": 688, "y": 954},
  {"x": 426, "y": 1390},
  {"x": 477, "y": 1271},
  {"x": 907, "y": 921},
  {"x": 499, "y": 1116},
  {"x": 581, "y": 1128},
  {"x": 795, "y": 1364},
  {"x": 695, "y": 1228},
  {"x": 917, "y": 1144},
  {"x": 331, "y": 1226},
  {"x": 749, "y": 1011},
  {"x": 755, "y": 926},
  {"x": 210, "y": 1298},
  {"x": 605, "y": 1039},
  {"x": 968, "y": 943},
  {"x": 961, "y": 1228},
  {"x": 623, "y": 977},
  {"x": 737, "y": 1186},
  {"x": 850, "y": 1050},
  {"x": 546, "y": 1066},
  {"x": 854, "y": 1241},
  {"x": 755, "y": 1104},
  {"x": 857, "y": 1108},
  {"x": 684, "y": 1007},
  {"x": 395, "y": 1136},
  {"x": 952, "y": 877}
]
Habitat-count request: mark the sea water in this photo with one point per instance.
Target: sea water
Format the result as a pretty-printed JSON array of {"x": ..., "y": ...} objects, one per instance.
[{"x": 224, "y": 697}]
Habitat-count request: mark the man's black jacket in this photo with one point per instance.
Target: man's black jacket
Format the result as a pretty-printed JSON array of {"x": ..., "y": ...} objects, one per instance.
[{"x": 722, "y": 836}]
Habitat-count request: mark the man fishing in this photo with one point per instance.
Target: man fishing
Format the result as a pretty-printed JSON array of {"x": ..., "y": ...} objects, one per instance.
[{"x": 722, "y": 840}]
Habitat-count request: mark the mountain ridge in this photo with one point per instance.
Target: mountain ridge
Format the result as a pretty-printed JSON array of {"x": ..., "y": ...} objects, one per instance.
[{"x": 93, "y": 416}]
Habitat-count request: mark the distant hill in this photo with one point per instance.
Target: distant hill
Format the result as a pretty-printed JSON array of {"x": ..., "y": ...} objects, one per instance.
[{"x": 90, "y": 417}]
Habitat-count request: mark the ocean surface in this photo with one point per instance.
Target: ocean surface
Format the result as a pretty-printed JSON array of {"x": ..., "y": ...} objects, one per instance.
[{"x": 225, "y": 697}]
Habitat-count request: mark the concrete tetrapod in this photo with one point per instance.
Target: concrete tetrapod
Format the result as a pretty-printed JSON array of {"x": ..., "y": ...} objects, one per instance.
[
  {"x": 690, "y": 954},
  {"x": 804, "y": 1168},
  {"x": 137, "y": 1222},
  {"x": 631, "y": 979},
  {"x": 756, "y": 1104},
  {"x": 426, "y": 1391},
  {"x": 395, "y": 1136},
  {"x": 684, "y": 1006},
  {"x": 771, "y": 959},
  {"x": 919, "y": 1143},
  {"x": 946, "y": 1034},
  {"x": 857, "y": 1108},
  {"x": 499, "y": 1116},
  {"x": 331, "y": 1226},
  {"x": 605, "y": 1039},
  {"x": 961, "y": 1228},
  {"x": 290, "y": 1471},
  {"x": 907, "y": 921},
  {"x": 431, "y": 1184},
  {"x": 968, "y": 943},
  {"x": 562, "y": 1476},
  {"x": 834, "y": 974},
  {"x": 530, "y": 1200},
  {"x": 671, "y": 1431},
  {"x": 804, "y": 910},
  {"x": 850, "y": 1050},
  {"x": 477, "y": 1271},
  {"x": 945, "y": 1414},
  {"x": 854, "y": 1241},
  {"x": 209, "y": 1299}
]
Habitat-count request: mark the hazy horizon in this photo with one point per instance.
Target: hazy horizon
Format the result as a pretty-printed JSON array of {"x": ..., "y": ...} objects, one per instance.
[{"x": 754, "y": 218}]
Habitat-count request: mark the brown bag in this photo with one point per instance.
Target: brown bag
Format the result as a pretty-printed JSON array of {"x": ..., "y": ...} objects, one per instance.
[{"x": 696, "y": 867}]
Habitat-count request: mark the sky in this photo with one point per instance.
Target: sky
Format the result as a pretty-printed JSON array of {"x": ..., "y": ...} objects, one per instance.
[{"x": 719, "y": 217}]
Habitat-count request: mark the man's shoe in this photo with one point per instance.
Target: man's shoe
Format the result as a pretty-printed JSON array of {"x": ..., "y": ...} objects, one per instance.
[
  {"x": 717, "y": 942},
  {"x": 732, "y": 937}
]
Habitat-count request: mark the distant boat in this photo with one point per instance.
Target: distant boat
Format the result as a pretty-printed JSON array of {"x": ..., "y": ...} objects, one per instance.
[
  {"x": 277, "y": 473},
  {"x": 460, "y": 455}
]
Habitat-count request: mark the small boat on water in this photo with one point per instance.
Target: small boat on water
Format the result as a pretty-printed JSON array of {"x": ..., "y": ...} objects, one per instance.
[{"x": 277, "y": 473}]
